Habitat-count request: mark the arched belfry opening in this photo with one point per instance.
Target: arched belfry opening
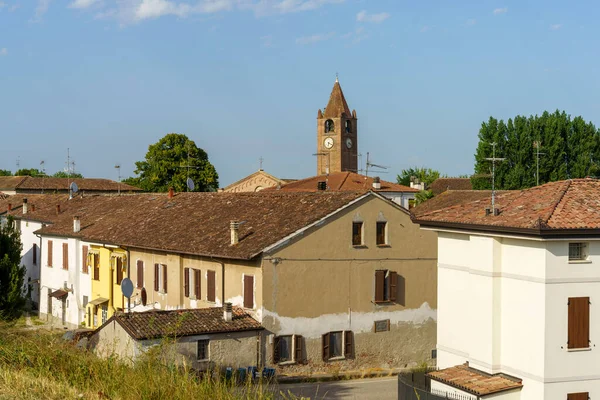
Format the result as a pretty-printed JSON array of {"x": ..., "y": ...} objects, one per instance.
[{"x": 329, "y": 126}]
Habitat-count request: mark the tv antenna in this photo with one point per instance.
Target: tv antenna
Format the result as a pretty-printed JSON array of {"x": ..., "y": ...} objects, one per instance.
[
  {"x": 260, "y": 161},
  {"x": 118, "y": 167},
  {"x": 536, "y": 145},
  {"x": 494, "y": 160},
  {"x": 370, "y": 164},
  {"x": 43, "y": 173},
  {"x": 18, "y": 163}
]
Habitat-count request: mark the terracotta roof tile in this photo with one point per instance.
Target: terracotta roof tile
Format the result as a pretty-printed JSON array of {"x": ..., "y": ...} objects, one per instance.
[
  {"x": 41, "y": 207},
  {"x": 474, "y": 381},
  {"x": 86, "y": 184},
  {"x": 157, "y": 324},
  {"x": 342, "y": 181},
  {"x": 337, "y": 103},
  {"x": 440, "y": 185},
  {"x": 197, "y": 223},
  {"x": 11, "y": 182},
  {"x": 451, "y": 198},
  {"x": 564, "y": 205}
]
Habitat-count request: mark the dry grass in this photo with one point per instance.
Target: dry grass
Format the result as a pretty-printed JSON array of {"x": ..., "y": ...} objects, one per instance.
[{"x": 38, "y": 364}]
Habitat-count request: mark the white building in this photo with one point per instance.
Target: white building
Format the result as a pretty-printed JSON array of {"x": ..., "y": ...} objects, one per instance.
[{"x": 519, "y": 292}]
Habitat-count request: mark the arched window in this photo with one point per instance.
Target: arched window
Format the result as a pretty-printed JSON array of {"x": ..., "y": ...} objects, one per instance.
[
  {"x": 329, "y": 126},
  {"x": 348, "y": 126}
]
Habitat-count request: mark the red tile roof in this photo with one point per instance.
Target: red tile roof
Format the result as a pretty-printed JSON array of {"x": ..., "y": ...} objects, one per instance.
[
  {"x": 474, "y": 381},
  {"x": 337, "y": 103},
  {"x": 199, "y": 321},
  {"x": 41, "y": 207},
  {"x": 451, "y": 198},
  {"x": 342, "y": 181},
  {"x": 572, "y": 205},
  {"x": 198, "y": 223},
  {"x": 440, "y": 185},
  {"x": 62, "y": 184},
  {"x": 11, "y": 182}
]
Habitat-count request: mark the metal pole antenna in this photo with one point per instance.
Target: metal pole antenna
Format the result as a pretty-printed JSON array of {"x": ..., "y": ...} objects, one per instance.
[{"x": 494, "y": 160}]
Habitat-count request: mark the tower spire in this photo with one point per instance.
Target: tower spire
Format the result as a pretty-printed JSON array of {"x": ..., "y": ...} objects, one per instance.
[{"x": 336, "y": 78}]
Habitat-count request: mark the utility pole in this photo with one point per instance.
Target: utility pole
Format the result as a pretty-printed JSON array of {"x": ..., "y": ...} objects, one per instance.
[
  {"x": 494, "y": 160},
  {"x": 118, "y": 167}
]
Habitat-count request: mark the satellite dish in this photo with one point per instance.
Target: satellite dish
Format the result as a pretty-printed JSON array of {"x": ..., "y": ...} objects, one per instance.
[
  {"x": 73, "y": 187},
  {"x": 127, "y": 287},
  {"x": 190, "y": 184},
  {"x": 144, "y": 297}
]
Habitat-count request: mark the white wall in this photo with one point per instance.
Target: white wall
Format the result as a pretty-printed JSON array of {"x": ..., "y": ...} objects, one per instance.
[{"x": 28, "y": 239}]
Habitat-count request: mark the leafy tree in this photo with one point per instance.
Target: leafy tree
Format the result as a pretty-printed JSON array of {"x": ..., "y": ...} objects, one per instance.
[
  {"x": 569, "y": 148},
  {"x": 168, "y": 163},
  {"x": 29, "y": 172},
  {"x": 423, "y": 196},
  {"x": 5, "y": 172},
  {"x": 63, "y": 174},
  {"x": 11, "y": 272},
  {"x": 426, "y": 175}
]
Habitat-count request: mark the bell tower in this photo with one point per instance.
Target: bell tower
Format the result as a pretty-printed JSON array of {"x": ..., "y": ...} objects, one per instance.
[{"x": 337, "y": 139}]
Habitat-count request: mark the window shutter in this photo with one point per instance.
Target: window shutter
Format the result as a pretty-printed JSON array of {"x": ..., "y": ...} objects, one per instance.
[
  {"x": 276, "y": 350},
  {"x": 393, "y": 286},
  {"x": 197, "y": 292},
  {"x": 325, "y": 342},
  {"x": 34, "y": 254},
  {"x": 349, "y": 346},
  {"x": 119, "y": 266},
  {"x": 65, "y": 255},
  {"x": 84, "y": 259},
  {"x": 579, "y": 323},
  {"x": 140, "y": 274},
  {"x": 248, "y": 291},
  {"x": 96, "y": 260},
  {"x": 49, "y": 253},
  {"x": 156, "y": 269},
  {"x": 164, "y": 268},
  {"x": 298, "y": 349},
  {"x": 379, "y": 284},
  {"x": 578, "y": 396},
  {"x": 186, "y": 282},
  {"x": 210, "y": 285}
]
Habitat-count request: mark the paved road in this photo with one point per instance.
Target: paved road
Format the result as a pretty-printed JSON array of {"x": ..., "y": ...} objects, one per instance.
[{"x": 375, "y": 389}]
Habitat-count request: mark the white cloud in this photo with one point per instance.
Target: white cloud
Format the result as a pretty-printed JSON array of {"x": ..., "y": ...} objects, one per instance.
[
  {"x": 82, "y": 4},
  {"x": 499, "y": 11},
  {"x": 3, "y": 51},
  {"x": 555, "y": 27},
  {"x": 13, "y": 7},
  {"x": 363, "y": 16},
  {"x": 319, "y": 37},
  {"x": 40, "y": 10},
  {"x": 471, "y": 22},
  {"x": 2, "y": 5}
]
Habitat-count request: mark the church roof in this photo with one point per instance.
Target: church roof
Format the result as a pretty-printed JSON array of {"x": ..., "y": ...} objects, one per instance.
[
  {"x": 342, "y": 182},
  {"x": 337, "y": 103}
]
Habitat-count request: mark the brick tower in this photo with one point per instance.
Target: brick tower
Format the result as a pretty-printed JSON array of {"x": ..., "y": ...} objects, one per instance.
[{"x": 337, "y": 139}]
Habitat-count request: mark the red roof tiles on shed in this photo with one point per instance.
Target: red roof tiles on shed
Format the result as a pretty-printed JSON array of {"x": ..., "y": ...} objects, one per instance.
[{"x": 474, "y": 381}]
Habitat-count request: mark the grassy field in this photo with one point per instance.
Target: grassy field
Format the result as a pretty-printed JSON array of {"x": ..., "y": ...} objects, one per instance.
[{"x": 38, "y": 364}]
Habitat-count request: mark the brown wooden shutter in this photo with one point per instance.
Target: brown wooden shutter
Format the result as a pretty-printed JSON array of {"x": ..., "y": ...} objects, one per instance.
[
  {"x": 248, "y": 291},
  {"x": 186, "y": 282},
  {"x": 379, "y": 285},
  {"x": 393, "y": 286},
  {"x": 210, "y": 285},
  {"x": 49, "y": 253},
  {"x": 579, "y": 323},
  {"x": 349, "y": 344},
  {"x": 96, "y": 260},
  {"x": 325, "y": 345},
  {"x": 84, "y": 259},
  {"x": 578, "y": 396},
  {"x": 119, "y": 266},
  {"x": 140, "y": 274},
  {"x": 65, "y": 247},
  {"x": 34, "y": 254},
  {"x": 276, "y": 350},
  {"x": 299, "y": 349},
  {"x": 164, "y": 268},
  {"x": 156, "y": 269},
  {"x": 197, "y": 291}
]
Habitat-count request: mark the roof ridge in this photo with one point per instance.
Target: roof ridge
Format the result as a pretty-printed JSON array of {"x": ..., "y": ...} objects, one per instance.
[
  {"x": 562, "y": 196},
  {"x": 341, "y": 185}
]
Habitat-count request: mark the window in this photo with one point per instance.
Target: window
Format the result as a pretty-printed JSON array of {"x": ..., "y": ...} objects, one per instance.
[
  {"x": 191, "y": 283},
  {"x": 119, "y": 269},
  {"x": 248, "y": 291},
  {"x": 140, "y": 274},
  {"x": 288, "y": 349},
  {"x": 579, "y": 323},
  {"x": 357, "y": 237},
  {"x": 386, "y": 286},
  {"x": 49, "y": 261},
  {"x": 329, "y": 126},
  {"x": 65, "y": 248},
  {"x": 348, "y": 126},
  {"x": 577, "y": 251},
  {"x": 85, "y": 301},
  {"x": 160, "y": 278},
  {"x": 34, "y": 254},
  {"x": 381, "y": 233},
  {"x": 210, "y": 286},
  {"x": 337, "y": 345},
  {"x": 96, "y": 264},
  {"x": 203, "y": 350},
  {"x": 84, "y": 260},
  {"x": 578, "y": 396},
  {"x": 197, "y": 292},
  {"x": 104, "y": 313}
]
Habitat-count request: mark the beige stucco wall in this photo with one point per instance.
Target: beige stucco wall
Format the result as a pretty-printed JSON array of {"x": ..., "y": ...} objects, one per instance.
[
  {"x": 254, "y": 183},
  {"x": 322, "y": 283},
  {"x": 113, "y": 340}
]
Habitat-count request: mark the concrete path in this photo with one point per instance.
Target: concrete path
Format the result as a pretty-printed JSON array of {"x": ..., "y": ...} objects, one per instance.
[{"x": 375, "y": 389}]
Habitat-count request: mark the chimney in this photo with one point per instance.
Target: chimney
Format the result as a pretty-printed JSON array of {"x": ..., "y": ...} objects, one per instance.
[
  {"x": 376, "y": 183},
  {"x": 227, "y": 312},
  {"x": 171, "y": 193},
  {"x": 24, "y": 206},
  {"x": 57, "y": 209},
  {"x": 9, "y": 207},
  {"x": 321, "y": 185},
  {"x": 234, "y": 226},
  {"x": 76, "y": 224}
]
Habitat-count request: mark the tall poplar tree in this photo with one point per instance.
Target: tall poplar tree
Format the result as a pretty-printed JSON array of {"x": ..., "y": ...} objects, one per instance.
[{"x": 12, "y": 272}]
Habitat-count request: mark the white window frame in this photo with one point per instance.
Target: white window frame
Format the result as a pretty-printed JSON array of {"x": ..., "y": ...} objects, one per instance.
[
  {"x": 192, "y": 283},
  {"x": 161, "y": 278},
  {"x": 292, "y": 359},
  {"x": 583, "y": 249}
]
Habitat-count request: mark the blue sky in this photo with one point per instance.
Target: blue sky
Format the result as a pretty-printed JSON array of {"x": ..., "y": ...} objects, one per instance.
[{"x": 245, "y": 78}]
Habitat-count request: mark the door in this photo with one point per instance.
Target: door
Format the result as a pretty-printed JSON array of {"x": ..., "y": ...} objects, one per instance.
[{"x": 64, "y": 310}]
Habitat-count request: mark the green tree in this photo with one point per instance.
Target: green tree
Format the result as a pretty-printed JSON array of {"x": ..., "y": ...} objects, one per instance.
[
  {"x": 5, "y": 172},
  {"x": 170, "y": 161},
  {"x": 29, "y": 172},
  {"x": 426, "y": 175},
  {"x": 569, "y": 148},
  {"x": 423, "y": 196},
  {"x": 11, "y": 272},
  {"x": 63, "y": 174}
]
